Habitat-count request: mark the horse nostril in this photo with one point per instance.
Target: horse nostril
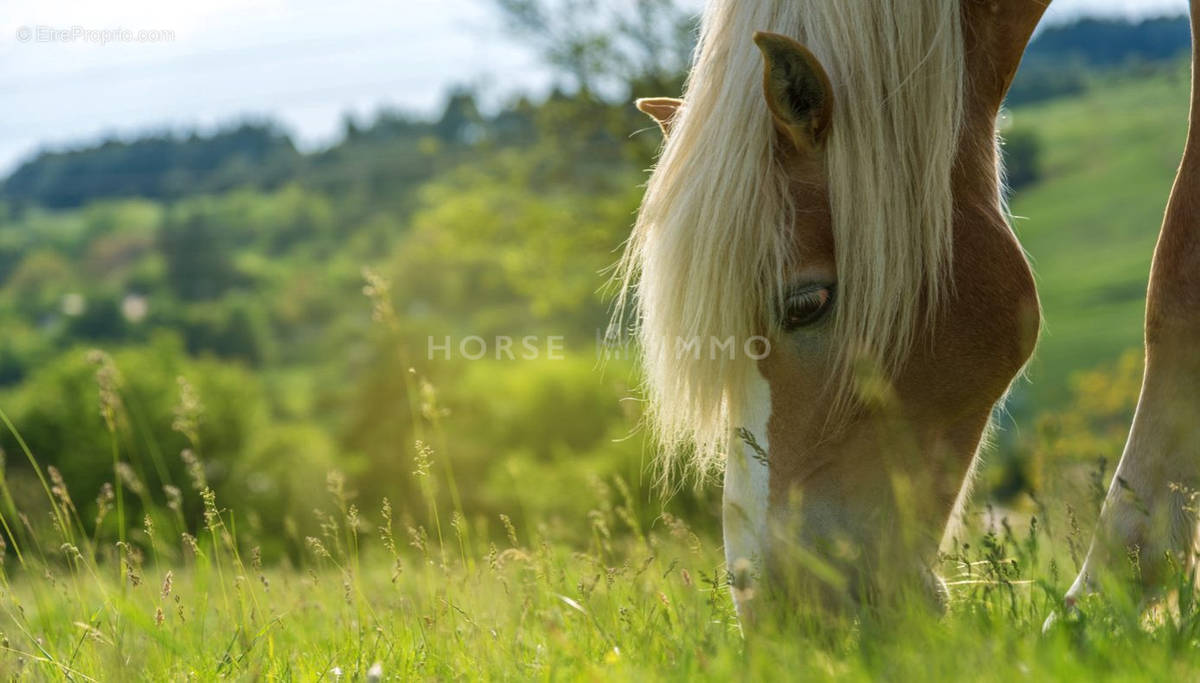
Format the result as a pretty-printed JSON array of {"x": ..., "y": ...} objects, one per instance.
[{"x": 743, "y": 579}]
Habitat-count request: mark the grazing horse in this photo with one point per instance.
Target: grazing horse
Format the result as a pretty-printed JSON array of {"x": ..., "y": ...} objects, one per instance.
[{"x": 829, "y": 297}]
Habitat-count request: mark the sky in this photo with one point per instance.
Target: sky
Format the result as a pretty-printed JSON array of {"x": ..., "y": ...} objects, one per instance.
[{"x": 73, "y": 71}]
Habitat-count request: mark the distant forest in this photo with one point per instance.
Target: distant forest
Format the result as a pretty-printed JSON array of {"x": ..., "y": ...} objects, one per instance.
[{"x": 167, "y": 166}]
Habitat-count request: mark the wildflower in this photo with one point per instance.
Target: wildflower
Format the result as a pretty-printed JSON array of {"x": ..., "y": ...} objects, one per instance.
[
  {"x": 211, "y": 515},
  {"x": 189, "y": 542},
  {"x": 459, "y": 524},
  {"x": 131, "y": 561},
  {"x": 195, "y": 469},
  {"x": 130, "y": 479},
  {"x": 510, "y": 529},
  {"x": 58, "y": 487},
  {"x": 108, "y": 381},
  {"x": 418, "y": 538},
  {"x": 131, "y": 574},
  {"x": 335, "y": 483},
  {"x": 429, "y": 402},
  {"x": 174, "y": 497},
  {"x": 187, "y": 412},
  {"x": 104, "y": 502},
  {"x": 375, "y": 673},
  {"x": 317, "y": 547},
  {"x": 686, "y": 576},
  {"x": 68, "y": 549},
  {"x": 379, "y": 290},
  {"x": 422, "y": 459},
  {"x": 385, "y": 529}
]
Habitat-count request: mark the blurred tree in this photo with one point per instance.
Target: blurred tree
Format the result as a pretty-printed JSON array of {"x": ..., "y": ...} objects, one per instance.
[
  {"x": 158, "y": 166},
  {"x": 1039, "y": 81},
  {"x": 234, "y": 328},
  {"x": 58, "y": 410},
  {"x": 199, "y": 255},
  {"x": 1112, "y": 41},
  {"x": 1022, "y": 157},
  {"x": 461, "y": 121},
  {"x": 499, "y": 248},
  {"x": 602, "y": 45},
  {"x": 1096, "y": 423},
  {"x": 100, "y": 319},
  {"x": 39, "y": 282},
  {"x": 1062, "y": 58}
]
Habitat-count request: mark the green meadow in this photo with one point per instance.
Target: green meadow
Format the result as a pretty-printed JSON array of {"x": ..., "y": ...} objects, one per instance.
[
  {"x": 605, "y": 597},
  {"x": 1090, "y": 225}
]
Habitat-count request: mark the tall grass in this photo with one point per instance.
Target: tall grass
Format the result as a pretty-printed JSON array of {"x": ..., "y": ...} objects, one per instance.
[{"x": 375, "y": 599}]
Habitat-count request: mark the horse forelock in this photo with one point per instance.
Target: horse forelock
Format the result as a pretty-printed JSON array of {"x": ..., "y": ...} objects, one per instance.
[{"x": 712, "y": 246}]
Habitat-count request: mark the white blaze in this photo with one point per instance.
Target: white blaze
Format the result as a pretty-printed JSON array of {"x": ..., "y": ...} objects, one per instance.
[{"x": 744, "y": 509}]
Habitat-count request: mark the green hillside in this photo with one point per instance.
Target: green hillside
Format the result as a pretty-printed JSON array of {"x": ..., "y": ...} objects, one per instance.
[{"x": 1090, "y": 224}]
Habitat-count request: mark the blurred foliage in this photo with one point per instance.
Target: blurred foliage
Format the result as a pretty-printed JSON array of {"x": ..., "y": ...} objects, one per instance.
[
  {"x": 1063, "y": 59},
  {"x": 1098, "y": 420},
  {"x": 601, "y": 44},
  {"x": 157, "y": 167},
  {"x": 1022, "y": 150},
  {"x": 1040, "y": 81},
  {"x": 252, "y": 296},
  {"x": 1113, "y": 41},
  {"x": 1075, "y": 446}
]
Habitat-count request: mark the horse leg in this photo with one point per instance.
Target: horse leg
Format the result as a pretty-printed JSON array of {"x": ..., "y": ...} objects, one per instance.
[
  {"x": 1149, "y": 516},
  {"x": 1148, "y": 522}
]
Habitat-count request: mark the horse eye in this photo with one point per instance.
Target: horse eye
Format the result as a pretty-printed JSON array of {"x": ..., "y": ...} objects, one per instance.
[{"x": 806, "y": 307}]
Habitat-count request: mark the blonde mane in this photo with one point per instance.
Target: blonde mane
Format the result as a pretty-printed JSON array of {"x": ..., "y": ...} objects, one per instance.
[{"x": 710, "y": 249}]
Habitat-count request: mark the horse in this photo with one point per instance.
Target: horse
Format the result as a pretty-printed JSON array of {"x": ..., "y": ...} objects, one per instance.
[{"x": 831, "y": 302}]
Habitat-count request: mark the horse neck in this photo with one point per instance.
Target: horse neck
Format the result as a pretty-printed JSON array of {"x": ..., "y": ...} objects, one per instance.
[
  {"x": 995, "y": 34},
  {"x": 1173, "y": 299}
]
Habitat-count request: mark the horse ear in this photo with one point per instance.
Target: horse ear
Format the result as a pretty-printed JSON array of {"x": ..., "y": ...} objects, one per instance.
[
  {"x": 661, "y": 109},
  {"x": 797, "y": 88}
]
